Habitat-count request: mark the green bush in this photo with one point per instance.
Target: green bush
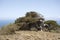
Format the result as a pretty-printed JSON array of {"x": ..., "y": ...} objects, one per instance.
[
  {"x": 30, "y": 18},
  {"x": 32, "y": 14},
  {"x": 53, "y": 26}
]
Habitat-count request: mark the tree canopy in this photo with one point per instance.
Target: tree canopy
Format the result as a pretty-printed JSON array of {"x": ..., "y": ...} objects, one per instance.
[{"x": 29, "y": 18}]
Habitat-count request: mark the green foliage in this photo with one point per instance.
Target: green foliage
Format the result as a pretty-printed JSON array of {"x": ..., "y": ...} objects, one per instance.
[
  {"x": 32, "y": 14},
  {"x": 30, "y": 18},
  {"x": 54, "y": 27},
  {"x": 52, "y": 23}
]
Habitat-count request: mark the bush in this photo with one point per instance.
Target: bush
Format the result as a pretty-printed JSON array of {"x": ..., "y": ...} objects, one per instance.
[
  {"x": 32, "y": 14},
  {"x": 9, "y": 29},
  {"x": 53, "y": 26},
  {"x": 30, "y": 18}
]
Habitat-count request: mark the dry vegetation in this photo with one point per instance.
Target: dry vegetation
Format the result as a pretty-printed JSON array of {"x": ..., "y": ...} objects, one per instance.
[
  {"x": 31, "y": 35},
  {"x": 31, "y": 25}
]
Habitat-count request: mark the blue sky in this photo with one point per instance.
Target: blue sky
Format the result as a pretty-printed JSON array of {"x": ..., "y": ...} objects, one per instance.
[{"x": 12, "y": 9}]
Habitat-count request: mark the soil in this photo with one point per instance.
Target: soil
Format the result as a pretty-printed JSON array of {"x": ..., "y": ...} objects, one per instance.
[{"x": 31, "y": 35}]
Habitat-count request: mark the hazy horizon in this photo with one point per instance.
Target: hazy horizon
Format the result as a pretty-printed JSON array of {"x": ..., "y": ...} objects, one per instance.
[
  {"x": 12, "y": 9},
  {"x": 8, "y": 21}
]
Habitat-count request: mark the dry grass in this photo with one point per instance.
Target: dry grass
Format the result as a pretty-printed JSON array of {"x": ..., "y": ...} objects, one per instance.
[{"x": 31, "y": 35}]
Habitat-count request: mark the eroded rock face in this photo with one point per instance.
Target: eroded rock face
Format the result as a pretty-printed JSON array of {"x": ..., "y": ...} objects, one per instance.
[{"x": 31, "y": 35}]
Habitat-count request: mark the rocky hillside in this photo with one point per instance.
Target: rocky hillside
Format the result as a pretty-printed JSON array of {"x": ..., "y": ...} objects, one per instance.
[{"x": 31, "y": 35}]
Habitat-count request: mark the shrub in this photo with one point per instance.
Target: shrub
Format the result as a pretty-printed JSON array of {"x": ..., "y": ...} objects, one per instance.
[
  {"x": 53, "y": 26},
  {"x": 9, "y": 29},
  {"x": 32, "y": 14},
  {"x": 30, "y": 18}
]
